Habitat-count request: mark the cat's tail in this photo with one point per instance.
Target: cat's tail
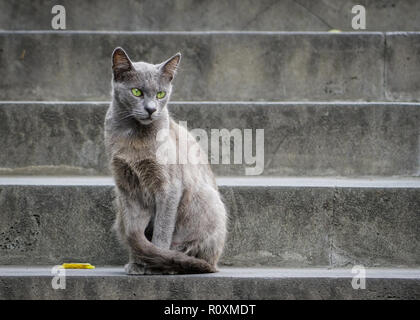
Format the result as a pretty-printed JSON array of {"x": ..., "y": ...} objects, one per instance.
[{"x": 166, "y": 260}]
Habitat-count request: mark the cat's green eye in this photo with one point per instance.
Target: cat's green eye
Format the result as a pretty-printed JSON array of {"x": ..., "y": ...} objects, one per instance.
[
  {"x": 136, "y": 92},
  {"x": 161, "y": 94}
]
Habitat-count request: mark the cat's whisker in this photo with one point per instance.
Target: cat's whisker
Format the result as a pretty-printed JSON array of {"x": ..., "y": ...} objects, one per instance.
[{"x": 126, "y": 116}]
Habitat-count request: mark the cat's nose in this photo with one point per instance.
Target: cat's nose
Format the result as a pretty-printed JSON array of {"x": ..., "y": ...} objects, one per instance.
[{"x": 150, "y": 109}]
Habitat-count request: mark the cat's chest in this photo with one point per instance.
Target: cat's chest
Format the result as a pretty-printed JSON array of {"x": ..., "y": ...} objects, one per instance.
[
  {"x": 150, "y": 174},
  {"x": 142, "y": 178}
]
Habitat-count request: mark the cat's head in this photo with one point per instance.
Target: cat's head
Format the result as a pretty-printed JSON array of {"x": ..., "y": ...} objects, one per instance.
[{"x": 141, "y": 89}]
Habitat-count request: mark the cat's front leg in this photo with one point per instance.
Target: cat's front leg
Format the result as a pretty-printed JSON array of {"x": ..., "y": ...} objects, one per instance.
[
  {"x": 134, "y": 265},
  {"x": 132, "y": 218},
  {"x": 166, "y": 212}
]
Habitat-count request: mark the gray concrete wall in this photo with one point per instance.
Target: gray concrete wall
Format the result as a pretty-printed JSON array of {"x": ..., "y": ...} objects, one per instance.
[{"x": 189, "y": 15}]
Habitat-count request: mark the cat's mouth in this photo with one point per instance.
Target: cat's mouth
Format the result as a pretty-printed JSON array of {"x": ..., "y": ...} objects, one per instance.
[{"x": 145, "y": 121}]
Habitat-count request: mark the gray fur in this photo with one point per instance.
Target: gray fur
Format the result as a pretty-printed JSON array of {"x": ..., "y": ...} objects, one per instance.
[{"x": 170, "y": 216}]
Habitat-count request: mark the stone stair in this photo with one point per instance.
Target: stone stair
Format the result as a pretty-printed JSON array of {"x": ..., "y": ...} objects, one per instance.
[
  {"x": 283, "y": 222},
  {"x": 218, "y": 65},
  {"x": 341, "y": 120},
  {"x": 349, "y": 139},
  {"x": 19, "y": 282}
]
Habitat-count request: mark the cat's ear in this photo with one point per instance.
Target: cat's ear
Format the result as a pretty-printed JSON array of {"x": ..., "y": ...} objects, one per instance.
[
  {"x": 168, "y": 68},
  {"x": 120, "y": 63}
]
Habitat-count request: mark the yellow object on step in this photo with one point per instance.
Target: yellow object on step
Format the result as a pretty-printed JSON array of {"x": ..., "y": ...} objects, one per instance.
[{"x": 78, "y": 266}]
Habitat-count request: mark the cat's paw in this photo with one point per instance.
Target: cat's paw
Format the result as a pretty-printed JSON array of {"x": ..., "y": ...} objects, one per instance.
[
  {"x": 140, "y": 269},
  {"x": 156, "y": 271},
  {"x": 134, "y": 269}
]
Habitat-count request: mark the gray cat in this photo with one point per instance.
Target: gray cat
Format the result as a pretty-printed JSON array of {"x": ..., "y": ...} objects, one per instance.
[{"x": 170, "y": 216}]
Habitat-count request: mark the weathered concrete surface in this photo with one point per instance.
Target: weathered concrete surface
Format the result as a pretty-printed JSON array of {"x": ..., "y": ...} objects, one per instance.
[
  {"x": 228, "y": 284},
  {"x": 365, "y": 230},
  {"x": 369, "y": 223},
  {"x": 188, "y": 15},
  {"x": 54, "y": 138},
  {"x": 55, "y": 224},
  {"x": 300, "y": 139},
  {"x": 402, "y": 66},
  {"x": 216, "y": 66}
]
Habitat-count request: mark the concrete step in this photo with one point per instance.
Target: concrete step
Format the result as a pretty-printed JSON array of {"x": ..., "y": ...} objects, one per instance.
[
  {"x": 402, "y": 65},
  {"x": 300, "y": 139},
  {"x": 285, "y": 222},
  {"x": 184, "y": 15},
  {"x": 216, "y": 66},
  {"x": 228, "y": 284},
  {"x": 246, "y": 66}
]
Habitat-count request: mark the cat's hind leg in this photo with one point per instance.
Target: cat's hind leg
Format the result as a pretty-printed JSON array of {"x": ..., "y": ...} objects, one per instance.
[{"x": 201, "y": 226}]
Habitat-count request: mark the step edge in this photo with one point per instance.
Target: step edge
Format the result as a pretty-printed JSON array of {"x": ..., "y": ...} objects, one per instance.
[
  {"x": 272, "y": 273},
  {"x": 297, "y": 182},
  {"x": 233, "y": 102}
]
